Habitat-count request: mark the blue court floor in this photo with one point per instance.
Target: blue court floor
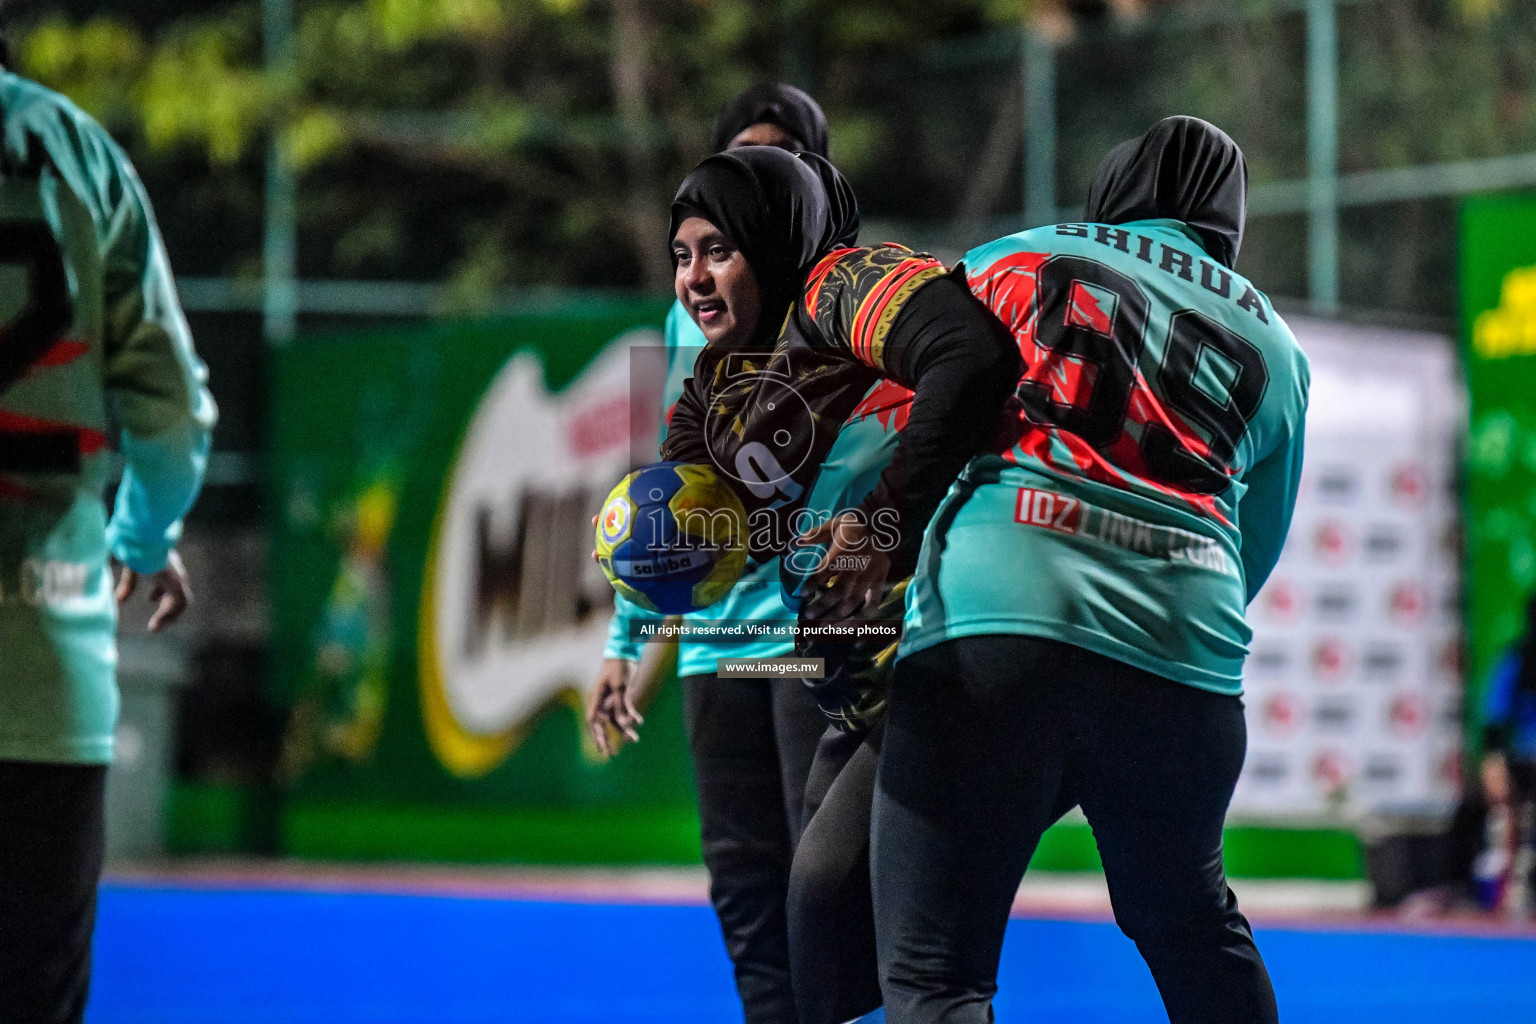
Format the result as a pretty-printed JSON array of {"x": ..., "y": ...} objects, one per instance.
[{"x": 173, "y": 955}]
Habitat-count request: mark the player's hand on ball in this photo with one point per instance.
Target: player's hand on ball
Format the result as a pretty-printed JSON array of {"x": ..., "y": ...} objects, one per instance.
[
  {"x": 612, "y": 716},
  {"x": 851, "y": 577},
  {"x": 169, "y": 588}
]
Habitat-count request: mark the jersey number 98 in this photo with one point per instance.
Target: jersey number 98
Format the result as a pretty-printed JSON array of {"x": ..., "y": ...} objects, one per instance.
[{"x": 1211, "y": 377}]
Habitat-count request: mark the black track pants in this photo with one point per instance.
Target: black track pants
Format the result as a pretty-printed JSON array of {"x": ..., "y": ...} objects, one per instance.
[
  {"x": 984, "y": 736},
  {"x": 752, "y": 742},
  {"x": 52, "y": 834},
  {"x": 831, "y": 917}
]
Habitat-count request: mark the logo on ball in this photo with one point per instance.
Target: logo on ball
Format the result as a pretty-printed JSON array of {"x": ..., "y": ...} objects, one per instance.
[
  {"x": 672, "y": 538},
  {"x": 615, "y": 520}
]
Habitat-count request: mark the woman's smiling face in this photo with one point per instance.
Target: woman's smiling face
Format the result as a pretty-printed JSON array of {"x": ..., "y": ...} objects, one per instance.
[{"x": 714, "y": 283}]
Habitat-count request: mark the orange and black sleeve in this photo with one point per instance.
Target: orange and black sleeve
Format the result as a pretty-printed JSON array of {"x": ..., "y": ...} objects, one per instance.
[{"x": 904, "y": 315}]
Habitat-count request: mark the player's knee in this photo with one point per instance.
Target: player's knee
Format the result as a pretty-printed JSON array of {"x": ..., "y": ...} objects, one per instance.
[
  {"x": 814, "y": 889},
  {"x": 1153, "y": 923}
]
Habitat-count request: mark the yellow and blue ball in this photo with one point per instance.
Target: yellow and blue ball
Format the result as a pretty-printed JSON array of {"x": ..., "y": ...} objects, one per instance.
[{"x": 672, "y": 537}]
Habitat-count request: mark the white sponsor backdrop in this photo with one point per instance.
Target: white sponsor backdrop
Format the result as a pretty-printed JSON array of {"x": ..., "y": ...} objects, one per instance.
[{"x": 1353, "y": 684}]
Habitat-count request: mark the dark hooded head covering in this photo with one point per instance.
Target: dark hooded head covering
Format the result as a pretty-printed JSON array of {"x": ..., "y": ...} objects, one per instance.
[
  {"x": 1182, "y": 168},
  {"x": 783, "y": 210},
  {"x": 774, "y": 103}
]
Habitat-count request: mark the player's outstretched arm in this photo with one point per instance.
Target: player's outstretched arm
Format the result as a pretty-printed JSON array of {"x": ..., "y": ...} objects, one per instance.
[{"x": 611, "y": 713}]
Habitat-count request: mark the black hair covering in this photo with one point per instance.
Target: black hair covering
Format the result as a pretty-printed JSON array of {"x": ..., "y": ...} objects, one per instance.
[
  {"x": 1182, "y": 168},
  {"x": 774, "y": 103},
  {"x": 783, "y": 210}
]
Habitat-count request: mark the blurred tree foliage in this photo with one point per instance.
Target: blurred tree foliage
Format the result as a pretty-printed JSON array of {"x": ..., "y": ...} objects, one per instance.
[
  {"x": 1420, "y": 81},
  {"x": 488, "y": 142},
  {"x": 515, "y": 142}
]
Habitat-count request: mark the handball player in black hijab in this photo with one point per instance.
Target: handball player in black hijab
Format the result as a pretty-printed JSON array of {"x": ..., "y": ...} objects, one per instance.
[
  {"x": 800, "y": 325},
  {"x": 772, "y": 114},
  {"x": 1183, "y": 168},
  {"x": 752, "y": 741},
  {"x": 761, "y": 242},
  {"x": 1057, "y": 661}
]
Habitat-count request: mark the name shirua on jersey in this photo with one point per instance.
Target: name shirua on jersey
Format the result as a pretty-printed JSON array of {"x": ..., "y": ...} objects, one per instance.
[{"x": 1142, "y": 489}]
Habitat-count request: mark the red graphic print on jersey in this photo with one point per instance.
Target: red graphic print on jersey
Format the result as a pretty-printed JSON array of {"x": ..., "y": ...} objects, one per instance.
[
  {"x": 1092, "y": 307},
  {"x": 888, "y": 401},
  {"x": 1010, "y": 289}
]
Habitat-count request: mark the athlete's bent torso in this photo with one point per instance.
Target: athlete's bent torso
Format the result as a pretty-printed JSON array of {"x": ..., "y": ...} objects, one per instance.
[{"x": 1075, "y": 629}]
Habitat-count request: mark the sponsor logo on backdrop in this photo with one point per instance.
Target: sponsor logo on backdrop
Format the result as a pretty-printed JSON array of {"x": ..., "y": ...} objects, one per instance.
[
  {"x": 514, "y": 614},
  {"x": 1270, "y": 660},
  {"x": 1335, "y": 602},
  {"x": 1382, "y": 769},
  {"x": 1383, "y": 661},
  {"x": 1269, "y": 769},
  {"x": 1449, "y": 714},
  {"x": 1338, "y": 485},
  {"x": 1409, "y": 485},
  {"x": 1283, "y": 601},
  {"x": 1282, "y": 714},
  {"x": 1385, "y": 542},
  {"x": 1334, "y": 713},
  {"x": 1331, "y": 772},
  {"x": 1331, "y": 660},
  {"x": 1332, "y": 542},
  {"x": 1407, "y": 603},
  {"x": 1407, "y": 715},
  {"x": 1354, "y": 617}
]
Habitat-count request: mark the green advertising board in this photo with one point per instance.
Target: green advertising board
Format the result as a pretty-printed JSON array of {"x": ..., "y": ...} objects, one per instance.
[
  {"x": 1498, "y": 328},
  {"x": 434, "y": 615}
]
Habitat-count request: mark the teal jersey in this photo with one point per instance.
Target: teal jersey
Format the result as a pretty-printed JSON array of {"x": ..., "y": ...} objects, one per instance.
[
  {"x": 756, "y": 598},
  {"x": 1143, "y": 488},
  {"x": 95, "y": 345}
]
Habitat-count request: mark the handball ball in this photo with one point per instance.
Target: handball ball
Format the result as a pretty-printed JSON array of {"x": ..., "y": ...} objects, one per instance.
[{"x": 672, "y": 537}]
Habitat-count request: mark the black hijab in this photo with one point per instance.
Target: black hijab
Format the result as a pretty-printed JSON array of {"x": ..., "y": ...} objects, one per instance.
[
  {"x": 1182, "y": 168},
  {"x": 774, "y": 103},
  {"x": 783, "y": 210}
]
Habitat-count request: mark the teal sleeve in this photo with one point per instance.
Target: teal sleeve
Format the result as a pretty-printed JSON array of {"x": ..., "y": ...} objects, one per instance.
[
  {"x": 680, "y": 333},
  {"x": 161, "y": 480},
  {"x": 684, "y": 340},
  {"x": 155, "y": 383},
  {"x": 619, "y": 643},
  {"x": 1264, "y": 513}
]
